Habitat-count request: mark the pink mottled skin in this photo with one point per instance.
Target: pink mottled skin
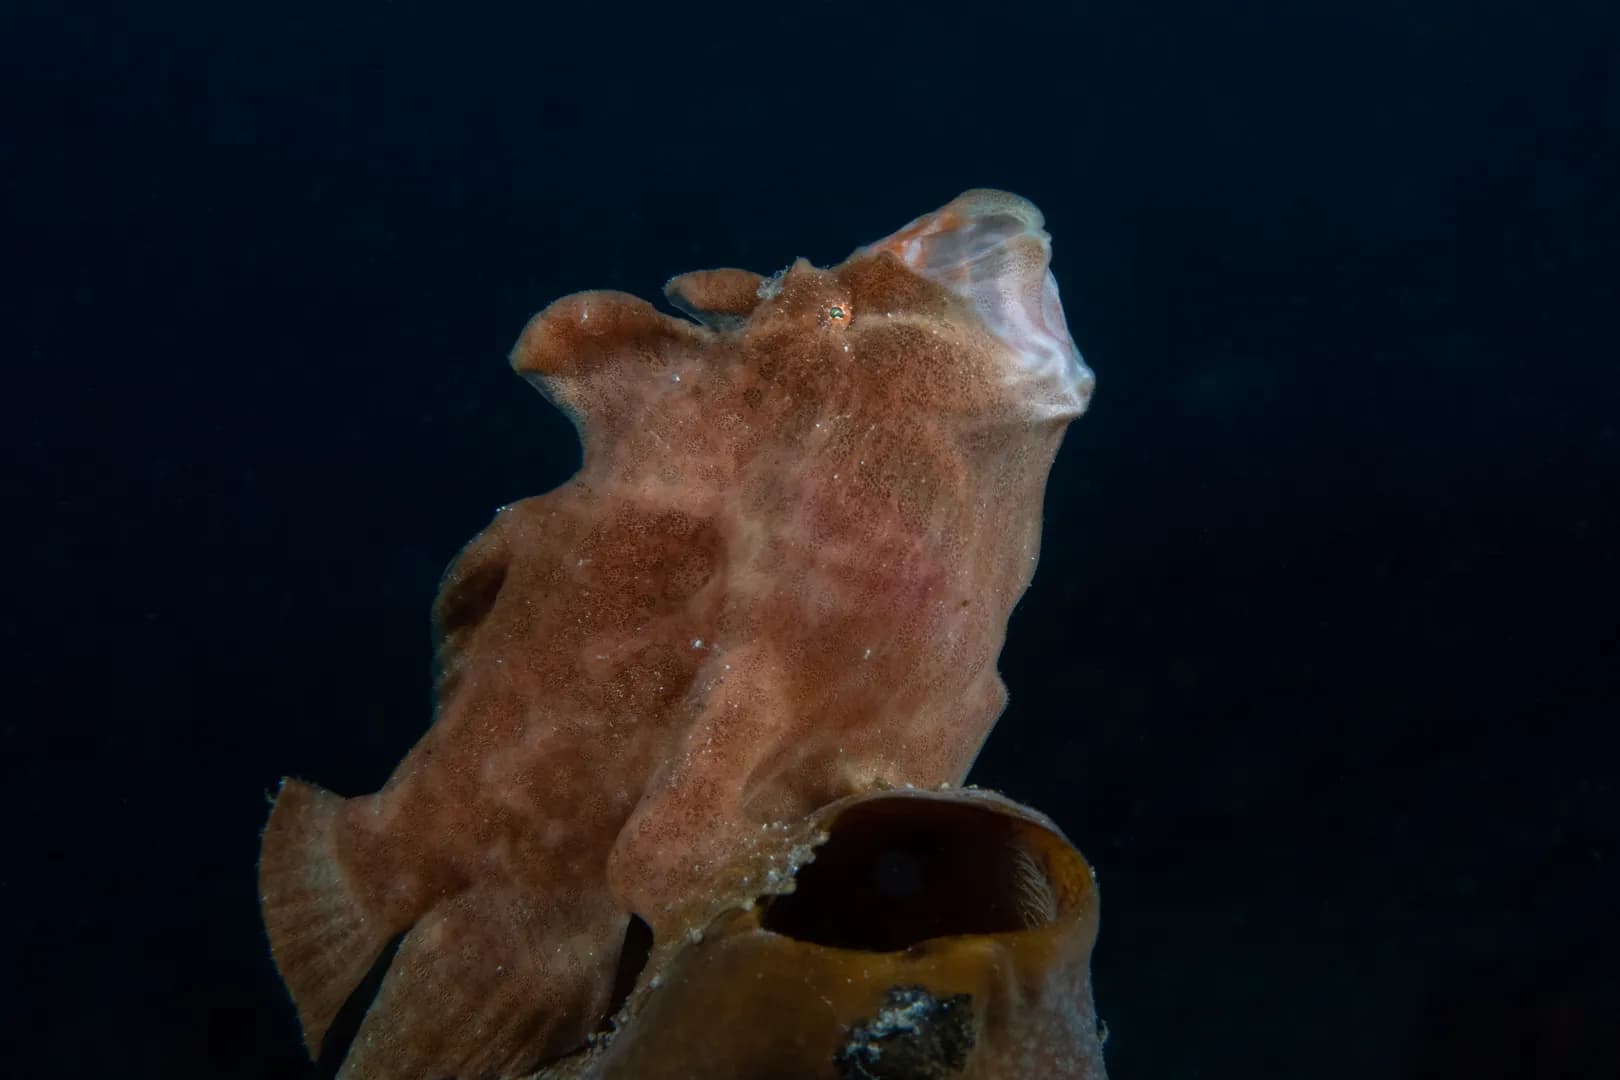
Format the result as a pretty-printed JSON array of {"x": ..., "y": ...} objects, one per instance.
[{"x": 782, "y": 575}]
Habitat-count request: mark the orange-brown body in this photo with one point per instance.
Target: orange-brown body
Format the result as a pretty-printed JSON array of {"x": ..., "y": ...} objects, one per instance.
[{"x": 781, "y": 576}]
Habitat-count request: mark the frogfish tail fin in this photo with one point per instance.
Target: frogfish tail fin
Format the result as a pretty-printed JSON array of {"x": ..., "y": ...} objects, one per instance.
[{"x": 323, "y": 940}]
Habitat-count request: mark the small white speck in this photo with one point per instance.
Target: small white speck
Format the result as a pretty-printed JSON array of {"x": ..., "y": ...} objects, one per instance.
[
  {"x": 697, "y": 643},
  {"x": 676, "y": 376},
  {"x": 867, "y": 655}
]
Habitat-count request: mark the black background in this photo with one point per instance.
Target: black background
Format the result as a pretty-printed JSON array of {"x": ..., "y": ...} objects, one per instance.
[{"x": 1319, "y": 668}]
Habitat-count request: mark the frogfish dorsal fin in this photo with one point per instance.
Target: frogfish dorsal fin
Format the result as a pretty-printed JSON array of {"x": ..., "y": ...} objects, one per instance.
[{"x": 721, "y": 299}]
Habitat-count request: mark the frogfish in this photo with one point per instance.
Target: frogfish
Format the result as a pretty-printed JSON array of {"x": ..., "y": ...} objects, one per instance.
[{"x": 780, "y": 578}]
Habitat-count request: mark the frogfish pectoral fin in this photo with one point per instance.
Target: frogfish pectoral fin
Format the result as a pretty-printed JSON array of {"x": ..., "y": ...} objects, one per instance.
[{"x": 487, "y": 981}]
